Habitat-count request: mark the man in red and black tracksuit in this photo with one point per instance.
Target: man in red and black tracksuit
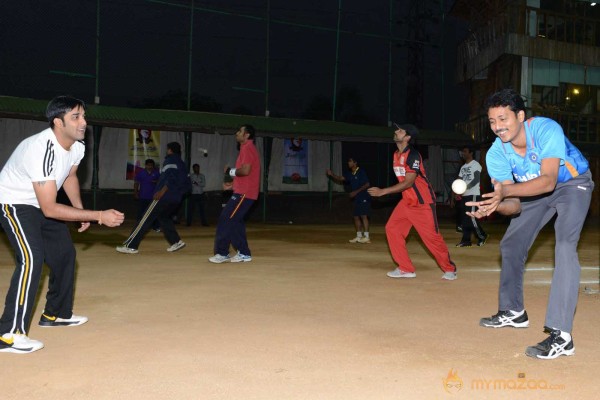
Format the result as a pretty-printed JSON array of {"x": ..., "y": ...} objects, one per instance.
[{"x": 417, "y": 208}]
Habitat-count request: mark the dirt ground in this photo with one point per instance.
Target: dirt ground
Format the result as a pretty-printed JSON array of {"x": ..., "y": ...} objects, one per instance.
[{"x": 311, "y": 317}]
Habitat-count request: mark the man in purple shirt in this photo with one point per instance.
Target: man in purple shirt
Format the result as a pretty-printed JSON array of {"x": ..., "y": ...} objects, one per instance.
[{"x": 143, "y": 189}]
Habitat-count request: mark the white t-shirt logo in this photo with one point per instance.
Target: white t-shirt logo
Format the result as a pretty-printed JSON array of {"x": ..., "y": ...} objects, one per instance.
[{"x": 400, "y": 171}]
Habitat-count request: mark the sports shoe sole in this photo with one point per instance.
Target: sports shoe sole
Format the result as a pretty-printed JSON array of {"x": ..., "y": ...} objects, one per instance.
[
  {"x": 534, "y": 352},
  {"x": 407, "y": 275},
  {"x": 45, "y": 323},
  {"x": 239, "y": 260},
  {"x": 171, "y": 250},
  {"x": 212, "y": 260},
  {"x": 449, "y": 277},
  {"x": 507, "y": 324},
  {"x": 126, "y": 250},
  {"x": 24, "y": 350}
]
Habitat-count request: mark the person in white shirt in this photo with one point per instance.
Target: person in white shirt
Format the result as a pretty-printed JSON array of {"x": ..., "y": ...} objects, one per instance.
[
  {"x": 35, "y": 223},
  {"x": 470, "y": 172},
  {"x": 197, "y": 199}
]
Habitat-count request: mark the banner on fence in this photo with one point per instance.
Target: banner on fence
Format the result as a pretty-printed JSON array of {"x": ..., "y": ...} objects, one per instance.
[
  {"x": 143, "y": 144},
  {"x": 295, "y": 161}
]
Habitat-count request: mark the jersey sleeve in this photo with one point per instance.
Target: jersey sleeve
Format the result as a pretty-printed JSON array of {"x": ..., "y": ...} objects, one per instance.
[
  {"x": 550, "y": 139},
  {"x": 498, "y": 164},
  {"x": 41, "y": 159},
  {"x": 413, "y": 162}
]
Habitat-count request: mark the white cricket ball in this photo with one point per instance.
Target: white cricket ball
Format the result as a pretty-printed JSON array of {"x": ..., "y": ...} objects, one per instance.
[{"x": 459, "y": 186}]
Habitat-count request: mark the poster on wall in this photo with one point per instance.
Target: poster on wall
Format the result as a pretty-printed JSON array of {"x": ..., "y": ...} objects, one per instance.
[
  {"x": 295, "y": 161},
  {"x": 143, "y": 144}
]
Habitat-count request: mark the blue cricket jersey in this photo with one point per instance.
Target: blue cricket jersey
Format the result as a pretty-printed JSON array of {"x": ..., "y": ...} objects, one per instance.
[{"x": 545, "y": 139}]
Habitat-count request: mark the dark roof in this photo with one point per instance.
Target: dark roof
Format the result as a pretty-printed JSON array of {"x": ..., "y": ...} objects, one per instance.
[{"x": 194, "y": 121}]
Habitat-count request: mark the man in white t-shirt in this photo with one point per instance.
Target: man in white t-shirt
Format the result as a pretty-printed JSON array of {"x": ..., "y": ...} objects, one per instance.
[
  {"x": 35, "y": 223},
  {"x": 470, "y": 172}
]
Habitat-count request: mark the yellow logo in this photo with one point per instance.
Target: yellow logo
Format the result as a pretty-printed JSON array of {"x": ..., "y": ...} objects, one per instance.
[
  {"x": 453, "y": 383},
  {"x": 49, "y": 317},
  {"x": 10, "y": 341}
]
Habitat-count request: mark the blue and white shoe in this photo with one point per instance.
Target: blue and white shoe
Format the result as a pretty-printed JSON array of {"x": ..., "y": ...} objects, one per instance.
[{"x": 239, "y": 257}]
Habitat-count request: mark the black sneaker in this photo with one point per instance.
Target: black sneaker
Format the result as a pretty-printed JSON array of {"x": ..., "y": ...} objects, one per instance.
[
  {"x": 505, "y": 318},
  {"x": 464, "y": 244},
  {"x": 483, "y": 241},
  {"x": 553, "y": 347},
  {"x": 49, "y": 321}
]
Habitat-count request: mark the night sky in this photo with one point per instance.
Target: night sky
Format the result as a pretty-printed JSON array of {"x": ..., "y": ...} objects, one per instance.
[{"x": 49, "y": 48}]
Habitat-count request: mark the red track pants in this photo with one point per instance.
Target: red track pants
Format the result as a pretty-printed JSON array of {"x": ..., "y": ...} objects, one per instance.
[{"x": 423, "y": 217}]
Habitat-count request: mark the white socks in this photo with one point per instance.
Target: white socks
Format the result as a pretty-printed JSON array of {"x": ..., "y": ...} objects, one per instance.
[{"x": 517, "y": 313}]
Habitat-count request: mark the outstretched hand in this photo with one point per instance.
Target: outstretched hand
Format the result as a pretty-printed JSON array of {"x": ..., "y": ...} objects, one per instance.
[
  {"x": 375, "y": 191},
  {"x": 111, "y": 218},
  {"x": 489, "y": 204},
  {"x": 84, "y": 227}
]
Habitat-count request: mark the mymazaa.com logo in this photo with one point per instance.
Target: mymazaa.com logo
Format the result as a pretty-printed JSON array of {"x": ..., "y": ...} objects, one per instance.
[{"x": 454, "y": 384}]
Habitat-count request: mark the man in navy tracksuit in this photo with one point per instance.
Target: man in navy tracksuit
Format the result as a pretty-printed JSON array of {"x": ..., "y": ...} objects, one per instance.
[{"x": 172, "y": 184}]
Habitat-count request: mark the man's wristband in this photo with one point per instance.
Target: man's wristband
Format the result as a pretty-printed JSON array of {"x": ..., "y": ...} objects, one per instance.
[{"x": 232, "y": 172}]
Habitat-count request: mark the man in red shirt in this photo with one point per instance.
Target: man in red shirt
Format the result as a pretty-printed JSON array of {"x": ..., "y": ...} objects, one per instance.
[
  {"x": 417, "y": 208},
  {"x": 231, "y": 229}
]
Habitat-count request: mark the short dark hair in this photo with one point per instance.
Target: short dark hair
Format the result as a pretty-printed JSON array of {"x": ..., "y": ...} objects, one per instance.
[
  {"x": 196, "y": 165},
  {"x": 60, "y": 105},
  {"x": 174, "y": 147},
  {"x": 353, "y": 159},
  {"x": 149, "y": 161},
  {"x": 505, "y": 98},
  {"x": 250, "y": 129},
  {"x": 469, "y": 147}
]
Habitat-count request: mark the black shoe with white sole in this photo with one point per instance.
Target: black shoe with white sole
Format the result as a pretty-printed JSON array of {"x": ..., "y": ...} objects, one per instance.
[
  {"x": 552, "y": 347},
  {"x": 506, "y": 318}
]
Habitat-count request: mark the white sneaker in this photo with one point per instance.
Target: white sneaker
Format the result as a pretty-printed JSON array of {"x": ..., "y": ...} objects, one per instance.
[
  {"x": 398, "y": 273},
  {"x": 218, "y": 259},
  {"x": 364, "y": 240},
  {"x": 239, "y": 257},
  {"x": 17, "y": 343},
  {"x": 449, "y": 276},
  {"x": 355, "y": 240},
  {"x": 49, "y": 321},
  {"x": 176, "y": 246},
  {"x": 126, "y": 250}
]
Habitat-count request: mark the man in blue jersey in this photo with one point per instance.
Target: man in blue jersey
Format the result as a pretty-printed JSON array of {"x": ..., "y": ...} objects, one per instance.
[
  {"x": 537, "y": 173},
  {"x": 359, "y": 183}
]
